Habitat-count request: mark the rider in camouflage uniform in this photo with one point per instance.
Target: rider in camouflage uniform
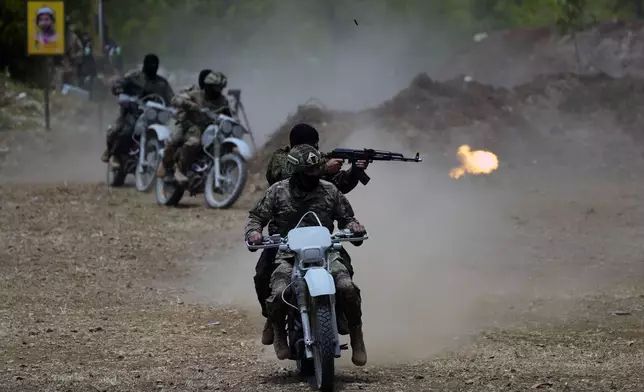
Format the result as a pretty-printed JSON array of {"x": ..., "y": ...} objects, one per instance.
[
  {"x": 191, "y": 123},
  {"x": 136, "y": 83},
  {"x": 279, "y": 169},
  {"x": 282, "y": 204}
]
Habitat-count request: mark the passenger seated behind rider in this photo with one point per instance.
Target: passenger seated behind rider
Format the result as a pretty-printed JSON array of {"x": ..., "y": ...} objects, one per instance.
[
  {"x": 191, "y": 122},
  {"x": 137, "y": 83},
  {"x": 306, "y": 191},
  {"x": 279, "y": 169}
]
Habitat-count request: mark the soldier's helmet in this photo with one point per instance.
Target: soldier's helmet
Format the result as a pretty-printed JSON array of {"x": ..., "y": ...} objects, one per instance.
[
  {"x": 216, "y": 80},
  {"x": 305, "y": 159}
]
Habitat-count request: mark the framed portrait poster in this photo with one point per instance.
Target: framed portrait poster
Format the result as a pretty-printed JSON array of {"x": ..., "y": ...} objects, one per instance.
[{"x": 45, "y": 28}]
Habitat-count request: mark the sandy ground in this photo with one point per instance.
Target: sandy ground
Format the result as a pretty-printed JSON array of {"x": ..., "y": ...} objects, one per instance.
[{"x": 99, "y": 291}]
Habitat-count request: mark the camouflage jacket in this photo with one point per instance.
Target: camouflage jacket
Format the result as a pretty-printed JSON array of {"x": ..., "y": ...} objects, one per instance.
[
  {"x": 278, "y": 169},
  {"x": 137, "y": 84},
  {"x": 282, "y": 202},
  {"x": 191, "y": 98}
]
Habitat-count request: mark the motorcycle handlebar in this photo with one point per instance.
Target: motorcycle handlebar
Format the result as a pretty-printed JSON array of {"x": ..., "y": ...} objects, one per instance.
[
  {"x": 128, "y": 99},
  {"x": 158, "y": 106},
  {"x": 275, "y": 241},
  {"x": 124, "y": 98}
]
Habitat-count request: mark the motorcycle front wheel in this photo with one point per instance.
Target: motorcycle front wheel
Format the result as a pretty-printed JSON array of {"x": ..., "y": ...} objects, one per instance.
[
  {"x": 234, "y": 170},
  {"x": 168, "y": 194},
  {"x": 324, "y": 348},
  {"x": 145, "y": 173}
]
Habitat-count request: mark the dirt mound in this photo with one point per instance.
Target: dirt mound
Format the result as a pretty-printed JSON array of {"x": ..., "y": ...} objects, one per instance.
[
  {"x": 513, "y": 57},
  {"x": 524, "y": 87},
  {"x": 427, "y": 109},
  {"x": 535, "y": 119}
]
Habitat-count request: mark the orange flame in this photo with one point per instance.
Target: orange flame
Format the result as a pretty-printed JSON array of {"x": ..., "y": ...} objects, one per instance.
[{"x": 474, "y": 162}]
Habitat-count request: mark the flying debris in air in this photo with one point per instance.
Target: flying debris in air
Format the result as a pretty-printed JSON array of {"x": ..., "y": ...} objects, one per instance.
[{"x": 355, "y": 21}]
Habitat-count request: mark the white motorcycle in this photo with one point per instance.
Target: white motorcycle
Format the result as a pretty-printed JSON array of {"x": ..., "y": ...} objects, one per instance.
[
  {"x": 219, "y": 171},
  {"x": 312, "y": 324},
  {"x": 141, "y": 157}
]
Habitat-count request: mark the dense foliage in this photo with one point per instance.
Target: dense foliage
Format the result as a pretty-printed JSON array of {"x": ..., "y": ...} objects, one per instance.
[{"x": 235, "y": 27}]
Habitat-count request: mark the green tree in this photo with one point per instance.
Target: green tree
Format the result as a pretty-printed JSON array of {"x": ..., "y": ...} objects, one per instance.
[
  {"x": 231, "y": 26},
  {"x": 573, "y": 17},
  {"x": 634, "y": 6}
]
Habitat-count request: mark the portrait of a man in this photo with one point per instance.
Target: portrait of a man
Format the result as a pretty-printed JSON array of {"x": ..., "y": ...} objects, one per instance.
[{"x": 45, "y": 28}]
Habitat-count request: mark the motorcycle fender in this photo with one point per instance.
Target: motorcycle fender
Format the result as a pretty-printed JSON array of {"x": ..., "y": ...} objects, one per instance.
[
  {"x": 242, "y": 146},
  {"x": 162, "y": 132},
  {"x": 319, "y": 282}
]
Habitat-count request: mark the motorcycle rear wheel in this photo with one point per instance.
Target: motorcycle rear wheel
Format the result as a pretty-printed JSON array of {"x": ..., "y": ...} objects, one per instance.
[{"x": 115, "y": 177}]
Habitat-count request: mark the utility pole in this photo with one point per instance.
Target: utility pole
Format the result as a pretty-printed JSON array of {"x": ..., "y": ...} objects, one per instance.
[
  {"x": 98, "y": 30},
  {"x": 101, "y": 26}
]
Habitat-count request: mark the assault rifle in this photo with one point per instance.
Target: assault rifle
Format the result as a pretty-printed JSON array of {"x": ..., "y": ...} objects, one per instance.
[{"x": 369, "y": 155}]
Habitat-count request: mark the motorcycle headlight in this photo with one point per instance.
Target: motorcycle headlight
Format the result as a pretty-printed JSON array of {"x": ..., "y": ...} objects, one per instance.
[
  {"x": 208, "y": 136},
  {"x": 163, "y": 117},
  {"x": 150, "y": 114},
  {"x": 238, "y": 131},
  {"x": 226, "y": 127}
]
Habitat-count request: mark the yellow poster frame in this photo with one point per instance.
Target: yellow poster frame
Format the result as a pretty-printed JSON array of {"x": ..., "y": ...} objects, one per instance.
[{"x": 49, "y": 42}]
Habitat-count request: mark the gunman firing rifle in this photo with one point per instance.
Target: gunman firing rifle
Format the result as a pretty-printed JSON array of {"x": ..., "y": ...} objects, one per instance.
[{"x": 369, "y": 155}]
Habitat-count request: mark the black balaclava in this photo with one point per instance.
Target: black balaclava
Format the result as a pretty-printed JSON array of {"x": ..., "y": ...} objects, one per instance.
[
  {"x": 202, "y": 77},
  {"x": 210, "y": 92},
  {"x": 150, "y": 65},
  {"x": 304, "y": 134},
  {"x": 306, "y": 181}
]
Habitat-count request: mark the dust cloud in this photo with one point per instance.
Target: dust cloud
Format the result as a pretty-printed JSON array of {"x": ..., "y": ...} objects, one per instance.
[
  {"x": 362, "y": 66},
  {"x": 448, "y": 258},
  {"x": 70, "y": 153},
  {"x": 418, "y": 272}
]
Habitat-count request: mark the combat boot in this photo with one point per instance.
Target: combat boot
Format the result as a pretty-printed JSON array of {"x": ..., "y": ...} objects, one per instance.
[
  {"x": 280, "y": 343},
  {"x": 106, "y": 156},
  {"x": 268, "y": 334},
  {"x": 180, "y": 177},
  {"x": 114, "y": 162},
  {"x": 161, "y": 170},
  {"x": 359, "y": 352}
]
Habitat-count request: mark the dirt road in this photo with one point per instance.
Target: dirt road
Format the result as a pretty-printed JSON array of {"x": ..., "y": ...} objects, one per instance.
[{"x": 93, "y": 298}]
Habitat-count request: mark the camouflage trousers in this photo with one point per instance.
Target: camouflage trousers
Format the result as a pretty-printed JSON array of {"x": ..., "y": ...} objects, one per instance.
[
  {"x": 347, "y": 293},
  {"x": 119, "y": 135},
  {"x": 265, "y": 267},
  {"x": 188, "y": 136}
]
